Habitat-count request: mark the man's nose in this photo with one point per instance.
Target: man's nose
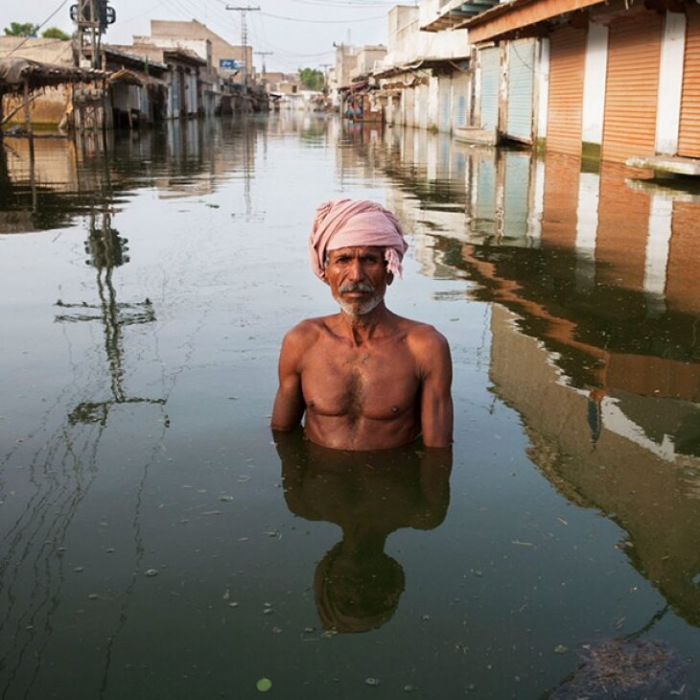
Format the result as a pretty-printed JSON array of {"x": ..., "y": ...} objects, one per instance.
[{"x": 357, "y": 272}]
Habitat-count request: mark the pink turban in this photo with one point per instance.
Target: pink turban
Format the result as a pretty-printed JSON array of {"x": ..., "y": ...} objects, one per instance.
[{"x": 346, "y": 222}]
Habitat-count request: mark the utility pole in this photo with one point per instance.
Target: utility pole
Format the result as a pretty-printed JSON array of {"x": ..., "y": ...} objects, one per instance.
[
  {"x": 263, "y": 54},
  {"x": 244, "y": 34},
  {"x": 85, "y": 17},
  {"x": 91, "y": 18}
]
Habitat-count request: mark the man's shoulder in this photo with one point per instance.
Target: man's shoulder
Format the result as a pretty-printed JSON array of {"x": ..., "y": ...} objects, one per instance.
[
  {"x": 306, "y": 331},
  {"x": 423, "y": 333}
]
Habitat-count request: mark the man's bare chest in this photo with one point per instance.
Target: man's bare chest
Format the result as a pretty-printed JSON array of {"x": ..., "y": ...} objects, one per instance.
[{"x": 369, "y": 380}]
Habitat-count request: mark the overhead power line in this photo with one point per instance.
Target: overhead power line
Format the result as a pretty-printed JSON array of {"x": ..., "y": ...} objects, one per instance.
[{"x": 322, "y": 21}]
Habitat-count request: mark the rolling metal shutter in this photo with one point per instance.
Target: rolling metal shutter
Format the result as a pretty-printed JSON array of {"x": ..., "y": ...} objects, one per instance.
[
  {"x": 408, "y": 106},
  {"x": 521, "y": 78},
  {"x": 423, "y": 97},
  {"x": 565, "y": 110},
  {"x": 489, "y": 88},
  {"x": 689, "y": 132},
  {"x": 445, "y": 91},
  {"x": 460, "y": 100},
  {"x": 631, "y": 92}
]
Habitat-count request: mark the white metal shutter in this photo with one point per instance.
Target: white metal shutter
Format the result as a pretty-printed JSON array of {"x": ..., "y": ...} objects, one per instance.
[
  {"x": 521, "y": 78},
  {"x": 489, "y": 88},
  {"x": 460, "y": 100}
]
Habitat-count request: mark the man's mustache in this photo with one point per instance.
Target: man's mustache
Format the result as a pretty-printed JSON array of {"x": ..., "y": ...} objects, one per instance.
[{"x": 356, "y": 287}]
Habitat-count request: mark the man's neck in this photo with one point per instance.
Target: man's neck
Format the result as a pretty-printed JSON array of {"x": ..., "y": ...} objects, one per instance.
[{"x": 363, "y": 327}]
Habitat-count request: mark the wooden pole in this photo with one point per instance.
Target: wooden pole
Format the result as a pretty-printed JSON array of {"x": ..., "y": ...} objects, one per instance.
[{"x": 27, "y": 119}]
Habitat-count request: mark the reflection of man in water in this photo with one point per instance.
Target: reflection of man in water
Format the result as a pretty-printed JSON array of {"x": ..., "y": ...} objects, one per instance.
[
  {"x": 366, "y": 378},
  {"x": 357, "y": 585}
]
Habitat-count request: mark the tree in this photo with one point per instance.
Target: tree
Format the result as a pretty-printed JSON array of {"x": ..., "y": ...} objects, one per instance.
[
  {"x": 21, "y": 29},
  {"x": 55, "y": 33},
  {"x": 312, "y": 79}
]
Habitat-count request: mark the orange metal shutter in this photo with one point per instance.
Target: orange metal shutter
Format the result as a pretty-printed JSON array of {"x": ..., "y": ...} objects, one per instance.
[
  {"x": 564, "y": 115},
  {"x": 631, "y": 92},
  {"x": 689, "y": 135}
]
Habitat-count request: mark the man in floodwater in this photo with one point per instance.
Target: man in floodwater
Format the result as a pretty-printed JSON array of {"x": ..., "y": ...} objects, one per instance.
[{"x": 364, "y": 378}]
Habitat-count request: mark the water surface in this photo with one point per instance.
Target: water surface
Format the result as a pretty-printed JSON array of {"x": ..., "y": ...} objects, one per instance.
[{"x": 158, "y": 543}]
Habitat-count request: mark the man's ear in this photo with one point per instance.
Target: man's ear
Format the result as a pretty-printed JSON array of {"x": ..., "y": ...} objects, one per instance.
[{"x": 389, "y": 278}]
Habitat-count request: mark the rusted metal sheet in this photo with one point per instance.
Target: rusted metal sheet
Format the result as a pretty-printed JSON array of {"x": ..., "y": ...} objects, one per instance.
[
  {"x": 631, "y": 93},
  {"x": 509, "y": 17},
  {"x": 689, "y": 132},
  {"x": 566, "y": 69}
]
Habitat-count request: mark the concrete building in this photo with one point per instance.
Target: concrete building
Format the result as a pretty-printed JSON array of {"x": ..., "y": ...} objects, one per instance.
[
  {"x": 613, "y": 80},
  {"x": 188, "y": 94},
  {"x": 232, "y": 62},
  {"x": 425, "y": 78}
]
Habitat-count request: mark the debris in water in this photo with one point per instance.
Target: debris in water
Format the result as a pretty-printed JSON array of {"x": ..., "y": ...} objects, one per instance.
[
  {"x": 614, "y": 668},
  {"x": 263, "y": 685},
  {"x": 372, "y": 681},
  {"x": 151, "y": 572},
  {"x": 560, "y": 649}
]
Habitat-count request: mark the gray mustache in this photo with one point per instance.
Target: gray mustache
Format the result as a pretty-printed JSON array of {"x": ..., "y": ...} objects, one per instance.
[{"x": 356, "y": 287}]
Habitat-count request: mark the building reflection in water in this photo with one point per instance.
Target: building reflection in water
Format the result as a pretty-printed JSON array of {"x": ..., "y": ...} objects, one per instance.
[
  {"x": 370, "y": 495},
  {"x": 591, "y": 272},
  {"x": 67, "y": 179}
]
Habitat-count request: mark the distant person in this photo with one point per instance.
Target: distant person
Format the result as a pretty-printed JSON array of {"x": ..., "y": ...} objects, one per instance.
[
  {"x": 349, "y": 112},
  {"x": 364, "y": 378}
]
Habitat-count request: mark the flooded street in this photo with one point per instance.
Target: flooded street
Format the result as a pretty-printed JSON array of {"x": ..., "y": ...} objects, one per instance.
[{"x": 156, "y": 542}]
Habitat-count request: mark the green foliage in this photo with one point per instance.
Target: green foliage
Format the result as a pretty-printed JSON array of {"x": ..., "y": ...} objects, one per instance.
[
  {"x": 21, "y": 29},
  {"x": 312, "y": 79},
  {"x": 55, "y": 33}
]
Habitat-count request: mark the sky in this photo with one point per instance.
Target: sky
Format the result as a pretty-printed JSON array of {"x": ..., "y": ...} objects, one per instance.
[{"x": 299, "y": 33}]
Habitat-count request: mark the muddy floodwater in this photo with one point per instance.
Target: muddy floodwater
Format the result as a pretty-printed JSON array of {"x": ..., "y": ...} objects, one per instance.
[{"x": 156, "y": 543}]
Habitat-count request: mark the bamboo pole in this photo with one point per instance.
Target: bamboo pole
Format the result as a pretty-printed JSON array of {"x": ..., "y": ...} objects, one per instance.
[{"x": 27, "y": 118}]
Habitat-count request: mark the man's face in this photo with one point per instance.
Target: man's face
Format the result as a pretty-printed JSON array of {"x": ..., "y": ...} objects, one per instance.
[{"x": 357, "y": 277}]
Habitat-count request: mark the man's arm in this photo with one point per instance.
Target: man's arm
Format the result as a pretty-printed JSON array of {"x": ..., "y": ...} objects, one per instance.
[
  {"x": 436, "y": 411},
  {"x": 289, "y": 404}
]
